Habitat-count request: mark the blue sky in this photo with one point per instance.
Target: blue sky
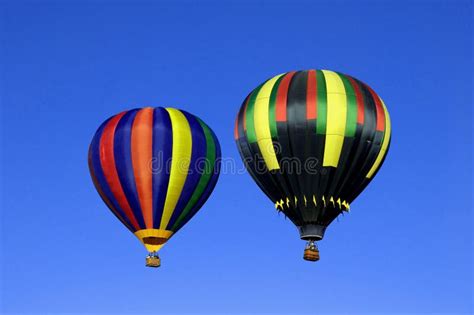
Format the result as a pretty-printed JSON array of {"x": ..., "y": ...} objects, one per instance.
[{"x": 406, "y": 246}]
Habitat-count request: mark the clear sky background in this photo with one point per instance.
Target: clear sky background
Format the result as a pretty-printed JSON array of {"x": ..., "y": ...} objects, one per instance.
[{"x": 406, "y": 246}]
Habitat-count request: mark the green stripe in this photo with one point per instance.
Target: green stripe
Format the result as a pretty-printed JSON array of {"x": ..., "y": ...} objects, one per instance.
[
  {"x": 322, "y": 103},
  {"x": 249, "y": 121},
  {"x": 205, "y": 177},
  {"x": 272, "y": 108},
  {"x": 351, "y": 120}
]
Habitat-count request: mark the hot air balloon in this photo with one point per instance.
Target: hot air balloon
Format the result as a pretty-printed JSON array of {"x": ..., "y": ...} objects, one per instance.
[
  {"x": 312, "y": 141},
  {"x": 154, "y": 168}
]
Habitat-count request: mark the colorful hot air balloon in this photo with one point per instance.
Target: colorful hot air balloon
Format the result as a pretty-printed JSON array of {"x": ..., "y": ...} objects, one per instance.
[
  {"x": 154, "y": 168},
  {"x": 312, "y": 141}
]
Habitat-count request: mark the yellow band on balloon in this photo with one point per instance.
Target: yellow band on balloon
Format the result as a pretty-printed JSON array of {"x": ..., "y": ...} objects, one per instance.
[
  {"x": 336, "y": 118},
  {"x": 181, "y": 158},
  {"x": 386, "y": 140},
  {"x": 153, "y": 239},
  {"x": 262, "y": 124}
]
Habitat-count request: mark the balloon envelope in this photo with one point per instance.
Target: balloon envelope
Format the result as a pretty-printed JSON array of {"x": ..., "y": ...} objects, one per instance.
[
  {"x": 154, "y": 168},
  {"x": 312, "y": 141}
]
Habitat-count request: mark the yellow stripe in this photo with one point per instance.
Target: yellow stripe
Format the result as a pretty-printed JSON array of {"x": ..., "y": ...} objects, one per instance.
[
  {"x": 386, "y": 140},
  {"x": 181, "y": 158},
  {"x": 164, "y": 235},
  {"x": 336, "y": 118},
  {"x": 262, "y": 124}
]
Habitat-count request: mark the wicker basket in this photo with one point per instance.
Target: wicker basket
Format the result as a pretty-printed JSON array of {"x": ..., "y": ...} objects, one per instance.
[
  {"x": 311, "y": 254},
  {"x": 153, "y": 261}
]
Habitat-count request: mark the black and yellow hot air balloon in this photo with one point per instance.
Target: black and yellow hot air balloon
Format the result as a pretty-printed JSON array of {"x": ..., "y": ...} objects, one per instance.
[
  {"x": 154, "y": 168},
  {"x": 312, "y": 141}
]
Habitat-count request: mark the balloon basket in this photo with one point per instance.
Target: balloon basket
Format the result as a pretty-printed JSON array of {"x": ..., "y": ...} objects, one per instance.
[
  {"x": 311, "y": 252},
  {"x": 153, "y": 261}
]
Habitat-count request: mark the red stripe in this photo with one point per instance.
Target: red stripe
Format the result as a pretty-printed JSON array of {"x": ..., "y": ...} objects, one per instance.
[
  {"x": 311, "y": 98},
  {"x": 104, "y": 197},
  {"x": 107, "y": 161},
  {"x": 360, "y": 101},
  {"x": 142, "y": 142},
  {"x": 236, "y": 130},
  {"x": 282, "y": 95},
  {"x": 380, "y": 111}
]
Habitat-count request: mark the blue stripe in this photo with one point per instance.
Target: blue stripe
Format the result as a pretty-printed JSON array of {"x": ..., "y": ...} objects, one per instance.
[
  {"x": 198, "y": 153},
  {"x": 96, "y": 169},
  {"x": 123, "y": 163},
  {"x": 209, "y": 188},
  {"x": 161, "y": 164}
]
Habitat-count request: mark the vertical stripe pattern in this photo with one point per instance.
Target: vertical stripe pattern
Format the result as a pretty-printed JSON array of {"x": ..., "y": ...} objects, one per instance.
[
  {"x": 262, "y": 124},
  {"x": 154, "y": 168},
  {"x": 321, "y": 137}
]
